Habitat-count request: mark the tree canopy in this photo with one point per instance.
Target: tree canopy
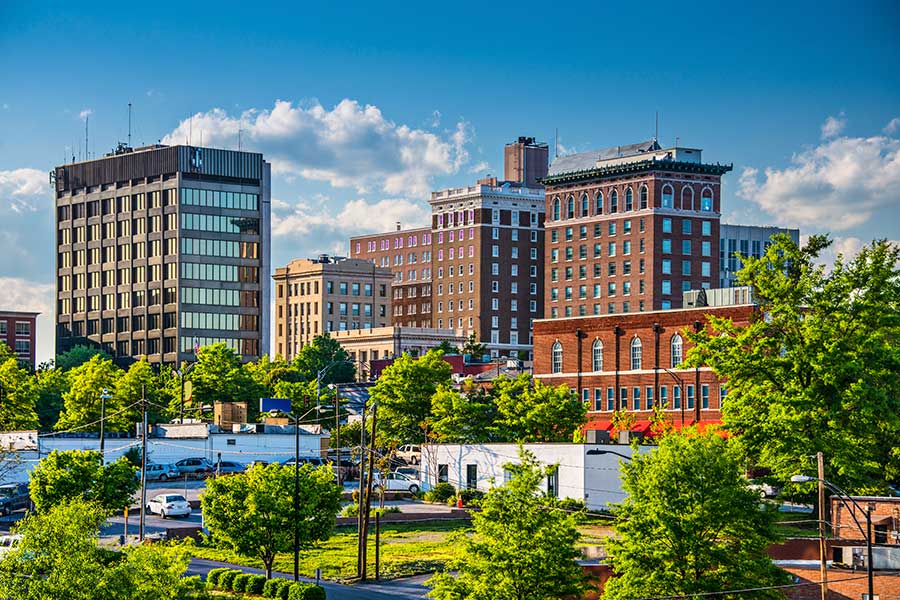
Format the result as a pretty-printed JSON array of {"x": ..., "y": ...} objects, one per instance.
[
  {"x": 79, "y": 355},
  {"x": 474, "y": 347},
  {"x": 689, "y": 524},
  {"x": 324, "y": 352},
  {"x": 80, "y": 474},
  {"x": 522, "y": 546},
  {"x": 819, "y": 369},
  {"x": 82, "y": 403},
  {"x": 253, "y": 513},
  {"x": 18, "y": 397}
]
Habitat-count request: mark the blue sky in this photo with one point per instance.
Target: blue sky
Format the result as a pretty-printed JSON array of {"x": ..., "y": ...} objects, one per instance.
[{"x": 380, "y": 104}]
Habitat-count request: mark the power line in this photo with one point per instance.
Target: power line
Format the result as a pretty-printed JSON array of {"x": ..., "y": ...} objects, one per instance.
[{"x": 748, "y": 590}]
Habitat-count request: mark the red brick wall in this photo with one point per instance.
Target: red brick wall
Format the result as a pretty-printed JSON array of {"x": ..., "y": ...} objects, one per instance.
[
  {"x": 10, "y": 318},
  {"x": 885, "y": 518}
]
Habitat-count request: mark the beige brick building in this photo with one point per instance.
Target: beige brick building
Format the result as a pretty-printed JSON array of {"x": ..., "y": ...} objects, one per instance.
[
  {"x": 365, "y": 345},
  {"x": 322, "y": 294}
]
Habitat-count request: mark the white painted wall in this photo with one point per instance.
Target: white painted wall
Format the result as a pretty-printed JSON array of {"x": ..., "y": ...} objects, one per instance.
[{"x": 592, "y": 478}]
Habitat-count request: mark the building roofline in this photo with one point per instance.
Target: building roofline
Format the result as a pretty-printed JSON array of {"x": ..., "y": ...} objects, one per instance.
[
  {"x": 648, "y": 312},
  {"x": 637, "y": 166}
]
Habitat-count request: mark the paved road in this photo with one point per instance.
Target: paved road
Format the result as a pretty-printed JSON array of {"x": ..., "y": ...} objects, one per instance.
[{"x": 409, "y": 588}]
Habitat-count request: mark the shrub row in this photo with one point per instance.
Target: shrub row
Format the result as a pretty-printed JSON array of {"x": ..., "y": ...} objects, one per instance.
[{"x": 234, "y": 580}]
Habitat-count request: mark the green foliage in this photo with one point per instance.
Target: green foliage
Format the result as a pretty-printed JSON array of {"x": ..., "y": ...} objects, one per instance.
[
  {"x": 404, "y": 392},
  {"x": 519, "y": 550},
  {"x": 133, "y": 456},
  {"x": 462, "y": 418},
  {"x": 441, "y": 492},
  {"x": 212, "y": 578},
  {"x": 819, "y": 370},
  {"x": 58, "y": 557},
  {"x": 79, "y": 355},
  {"x": 530, "y": 411},
  {"x": 239, "y": 583},
  {"x": 128, "y": 390},
  {"x": 63, "y": 476},
  {"x": 351, "y": 435},
  {"x": 323, "y": 351},
  {"x": 475, "y": 348},
  {"x": 469, "y": 497},
  {"x": 272, "y": 588},
  {"x": 18, "y": 397},
  {"x": 269, "y": 372},
  {"x": 446, "y": 347},
  {"x": 50, "y": 385},
  {"x": 306, "y": 591},
  {"x": 219, "y": 375},
  {"x": 689, "y": 524},
  {"x": 253, "y": 514},
  {"x": 82, "y": 402},
  {"x": 255, "y": 584},
  {"x": 226, "y": 580}
]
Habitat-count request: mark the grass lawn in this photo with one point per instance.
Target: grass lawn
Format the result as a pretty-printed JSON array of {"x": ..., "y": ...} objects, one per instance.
[{"x": 406, "y": 549}]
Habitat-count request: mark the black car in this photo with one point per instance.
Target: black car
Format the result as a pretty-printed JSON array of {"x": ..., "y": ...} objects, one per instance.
[{"x": 13, "y": 496}]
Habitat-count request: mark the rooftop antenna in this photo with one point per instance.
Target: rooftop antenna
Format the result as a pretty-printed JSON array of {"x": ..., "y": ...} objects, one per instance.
[
  {"x": 556, "y": 145},
  {"x": 87, "y": 119},
  {"x": 676, "y": 140},
  {"x": 129, "y": 124}
]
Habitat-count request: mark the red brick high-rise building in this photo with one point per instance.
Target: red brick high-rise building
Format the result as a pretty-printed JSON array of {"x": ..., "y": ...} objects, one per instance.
[
  {"x": 629, "y": 229},
  {"x": 18, "y": 330}
]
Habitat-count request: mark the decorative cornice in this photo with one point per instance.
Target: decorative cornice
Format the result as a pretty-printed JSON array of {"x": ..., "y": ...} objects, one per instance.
[{"x": 638, "y": 167}]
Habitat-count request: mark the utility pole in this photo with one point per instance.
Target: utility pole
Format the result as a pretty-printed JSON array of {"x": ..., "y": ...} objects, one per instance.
[
  {"x": 378, "y": 543},
  {"x": 822, "y": 549},
  {"x": 143, "y": 458},
  {"x": 362, "y": 473},
  {"x": 365, "y": 528},
  {"x": 337, "y": 431}
]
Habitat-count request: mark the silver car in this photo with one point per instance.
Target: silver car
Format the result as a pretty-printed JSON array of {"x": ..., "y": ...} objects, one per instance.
[{"x": 160, "y": 472}]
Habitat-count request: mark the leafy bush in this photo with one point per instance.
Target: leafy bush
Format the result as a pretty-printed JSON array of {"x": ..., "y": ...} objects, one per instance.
[
  {"x": 571, "y": 504},
  {"x": 284, "y": 590},
  {"x": 440, "y": 492},
  {"x": 226, "y": 579},
  {"x": 271, "y": 587},
  {"x": 469, "y": 497},
  {"x": 212, "y": 578},
  {"x": 255, "y": 584},
  {"x": 240, "y": 582},
  {"x": 351, "y": 510},
  {"x": 306, "y": 591}
]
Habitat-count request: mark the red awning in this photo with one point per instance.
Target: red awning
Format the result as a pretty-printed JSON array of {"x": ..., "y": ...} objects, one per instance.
[{"x": 598, "y": 426}]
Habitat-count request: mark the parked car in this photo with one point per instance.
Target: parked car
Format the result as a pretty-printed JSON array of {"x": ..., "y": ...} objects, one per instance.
[
  {"x": 169, "y": 505},
  {"x": 227, "y": 467},
  {"x": 396, "y": 482},
  {"x": 13, "y": 496},
  {"x": 162, "y": 472},
  {"x": 410, "y": 453},
  {"x": 312, "y": 460},
  {"x": 253, "y": 463},
  {"x": 766, "y": 490},
  {"x": 412, "y": 472},
  {"x": 194, "y": 466},
  {"x": 8, "y": 543}
]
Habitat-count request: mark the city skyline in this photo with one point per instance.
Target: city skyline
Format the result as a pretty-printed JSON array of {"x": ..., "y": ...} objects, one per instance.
[{"x": 362, "y": 114}]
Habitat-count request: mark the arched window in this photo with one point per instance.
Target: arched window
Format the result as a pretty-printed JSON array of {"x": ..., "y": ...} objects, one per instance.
[
  {"x": 597, "y": 356},
  {"x": 598, "y": 204},
  {"x": 668, "y": 196},
  {"x": 637, "y": 351},
  {"x": 556, "y": 358},
  {"x": 687, "y": 198},
  {"x": 570, "y": 208},
  {"x": 556, "y": 209},
  {"x": 614, "y": 201},
  {"x": 643, "y": 197},
  {"x": 706, "y": 200},
  {"x": 677, "y": 350},
  {"x": 629, "y": 199},
  {"x": 584, "y": 205}
]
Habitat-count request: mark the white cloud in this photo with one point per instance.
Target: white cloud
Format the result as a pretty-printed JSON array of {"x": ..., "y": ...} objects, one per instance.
[
  {"x": 847, "y": 247},
  {"x": 840, "y": 184},
  {"x": 84, "y": 114},
  {"x": 356, "y": 217},
  {"x": 833, "y": 126},
  {"x": 350, "y": 145},
  {"x": 23, "y": 190},
  {"x": 893, "y": 126},
  {"x": 21, "y": 294},
  {"x": 481, "y": 167},
  {"x": 436, "y": 119}
]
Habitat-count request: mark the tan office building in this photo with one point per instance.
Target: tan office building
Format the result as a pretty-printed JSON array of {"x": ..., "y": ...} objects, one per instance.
[
  {"x": 322, "y": 294},
  {"x": 366, "y": 345}
]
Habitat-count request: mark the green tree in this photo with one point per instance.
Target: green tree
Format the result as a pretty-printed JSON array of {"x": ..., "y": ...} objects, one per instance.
[
  {"x": 462, "y": 417},
  {"x": 530, "y": 411},
  {"x": 689, "y": 524},
  {"x": 404, "y": 392},
  {"x": 18, "y": 397},
  {"x": 50, "y": 385},
  {"x": 522, "y": 548},
  {"x": 128, "y": 391},
  {"x": 268, "y": 373},
  {"x": 819, "y": 369},
  {"x": 58, "y": 557},
  {"x": 323, "y": 351},
  {"x": 66, "y": 475},
  {"x": 475, "y": 348},
  {"x": 82, "y": 402},
  {"x": 219, "y": 375},
  {"x": 446, "y": 347},
  {"x": 79, "y": 355},
  {"x": 253, "y": 513}
]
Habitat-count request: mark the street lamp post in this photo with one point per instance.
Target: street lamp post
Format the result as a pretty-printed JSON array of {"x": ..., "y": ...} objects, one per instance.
[
  {"x": 597, "y": 451},
  {"x": 867, "y": 533},
  {"x": 681, "y": 386}
]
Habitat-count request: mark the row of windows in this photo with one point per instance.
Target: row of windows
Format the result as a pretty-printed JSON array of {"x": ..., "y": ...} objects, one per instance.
[
  {"x": 192, "y": 295},
  {"x": 209, "y": 272},
  {"x": 567, "y": 209},
  {"x": 116, "y": 229},
  {"x": 220, "y": 224},
  {"x": 237, "y": 200},
  {"x": 123, "y": 252},
  {"x": 22, "y": 327},
  {"x": 203, "y": 320},
  {"x": 225, "y": 248},
  {"x": 246, "y": 347},
  {"x": 636, "y": 402},
  {"x": 108, "y": 206},
  {"x": 676, "y": 346}
]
